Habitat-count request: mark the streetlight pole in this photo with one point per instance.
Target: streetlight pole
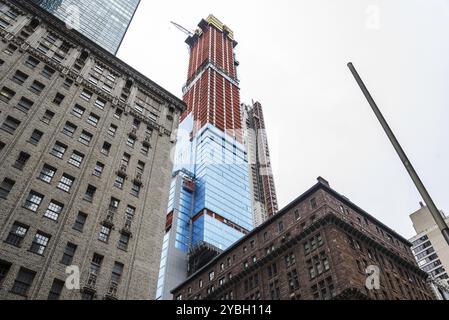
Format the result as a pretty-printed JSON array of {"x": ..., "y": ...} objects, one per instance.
[{"x": 416, "y": 180}]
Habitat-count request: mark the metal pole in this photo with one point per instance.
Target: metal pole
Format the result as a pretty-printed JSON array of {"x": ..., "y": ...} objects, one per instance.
[{"x": 416, "y": 180}]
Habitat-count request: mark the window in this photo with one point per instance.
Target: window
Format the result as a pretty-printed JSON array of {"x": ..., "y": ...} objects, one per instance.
[
  {"x": 118, "y": 113},
  {"x": 32, "y": 62},
  {"x": 78, "y": 111},
  {"x": 126, "y": 159},
  {"x": 117, "y": 272},
  {"x": 130, "y": 212},
  {"x": 112, "y": 130},
  {"x": 140, "y": 167},
  {"x": 66, "y": 182},
  {"x": 4, "y": 269},
  {"x": 95, "y": 265},
  {"x": 40, "y": 243},
  {"x": 313, "y": 204},
  {"x": 20, "y": 77},
  {"x": 37, "y": 87},
  {"x": 6, "y": 187},
  {"x": 136, "y": 124},
  {"x": 67, "y": 83},
  {"x": 25, "y": 104},
  {"x": 119, "y": 182},
  {"x": 135, "y": 191},
  {"x": 10, "y": 125},
  {"x": 23, "y": 282},
  {"x": 281, "y": 226},
  {"x": 76, "y": 159},
  {"x": 104, "y": 234},
  {"x": 48, "y": 72},
  {"x": 36, "y": 136},
  {"x": 106, "y": 149},
  {"x": 54, "y": 210},
  {"x": 48, "y": 116},
  {"x": 59, "y": 150},
  {"x": 85, "y": 138},
  {"x": 94, "y": 80},
  {"x": 56, "y": 290},
  {"x": 131, "y": 142},
  {"x": 93, "y": 119},
  {"x": 86, "y": 95},
  {"x": 10, "y": 49},
  {"x": 58, "y": 99},
  {"x": 6, "y": 94},
  {"x": 211, "y": 275},
  {"x": 90, "y": 193},
  {"x": 43, "y": 48},
  {"x": 17, "y": 234},
  {"x": 80, "y": 221},
  {"x": 33, "y": 201},
  {"x": 100, "y": 103},
  {"x": 124, "y": 241},
  {"x": 69, "y": 253},
  {"x": 21, "y": 160},
  {"x": 69, "y": 129},
  {"x": 98, "y": 170}
]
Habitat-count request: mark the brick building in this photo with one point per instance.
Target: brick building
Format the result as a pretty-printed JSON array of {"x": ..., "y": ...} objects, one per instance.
[
  {"x": 85, "y": 143},
  {"x": 318, "y": 247}
]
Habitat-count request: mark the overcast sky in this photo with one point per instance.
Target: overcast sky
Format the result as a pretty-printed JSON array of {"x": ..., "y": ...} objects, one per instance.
[{"x": 293, "y": 57}]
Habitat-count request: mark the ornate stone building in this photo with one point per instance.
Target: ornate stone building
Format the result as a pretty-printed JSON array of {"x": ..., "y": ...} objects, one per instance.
[
  {"x": 85, "y": 167},
  {"x": 319, "y": 247}
]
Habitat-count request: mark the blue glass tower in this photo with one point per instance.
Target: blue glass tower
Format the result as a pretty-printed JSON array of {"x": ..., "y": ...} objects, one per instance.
[
  {"x": 210, "y": 198},
  {"x": 103, "y": 21}
]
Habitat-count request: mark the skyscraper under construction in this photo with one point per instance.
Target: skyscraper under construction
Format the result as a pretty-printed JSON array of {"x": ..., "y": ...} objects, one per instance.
[{"x": 210, "y": 204}]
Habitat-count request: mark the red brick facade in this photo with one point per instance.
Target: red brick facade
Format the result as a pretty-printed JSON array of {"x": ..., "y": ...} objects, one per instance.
[{"x": 318, "y": 247}]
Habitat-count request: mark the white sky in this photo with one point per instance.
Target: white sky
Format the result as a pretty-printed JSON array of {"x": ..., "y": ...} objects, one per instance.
[{"x": 293, "y": 57}]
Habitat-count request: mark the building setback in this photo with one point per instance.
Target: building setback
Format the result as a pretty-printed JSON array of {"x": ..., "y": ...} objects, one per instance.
[
  {"x": 265, "y": 202},
  {"x": 85, "y": 168},
  {"x": 103, "y": 21},
  {"x": 318, "y": 247}
]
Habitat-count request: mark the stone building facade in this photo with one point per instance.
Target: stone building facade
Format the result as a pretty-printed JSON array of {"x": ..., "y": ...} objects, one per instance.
[
  {"x": 318, "y": 247},
  {"x": 85, "y": 164}
]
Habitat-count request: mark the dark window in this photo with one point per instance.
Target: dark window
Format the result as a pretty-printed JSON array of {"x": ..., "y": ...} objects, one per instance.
[
  {"x": 100, "y": 103},
  {"x": 40, "y": 243},
  {"x": 117, "y": 272},
  {"x": 10, "y": 49},
  {"x": 20, "y": 77},
  {"x": 90, "y": 193},
  {"x": 36, "y": 136},
  {"x": 48, "y": 116},
  {"x": 106, "y": 148},
  {"x": 6, "y": 187},
  {"x": 6, "y": 94},
  {"x": 86, "y": 95},
  {"x": 93, "y": 119},
  {"x": 48, "y": 72},
  {"x": 17, "y": 234},
  {"x": 124, "y": 241},
  {"x": 4, "y": 269},
  {"x": 135, "y": 191},
  {"x": 131, "y": 142},
  {"x": 23, "y": 282},
  {"x": 313, "y": 203},
  {"x": 95, "y": 265},
  {"x": 56, "y": 290},
  {"x": 21, "y": 160},
  {"x": 25, "y": 104},
  {"x": 58, "y": 99},
  {"x": 69, "y": 129},
  {"x": 69, "y": 253},
  {"x": 119, "y": 181},
  {"x": 37, "y": 87},
  {"x": 98, "y": 170},
  {"x": 78, "y": 111},
  {"x": 32, "y": 62},
  {"x": 10, "y": 125},
  {"x": 281, "y": 226},
  {"x": 80, "y": 221},
  {"x": 67, "y": 83},
  {"x": 33, "y": 201}
]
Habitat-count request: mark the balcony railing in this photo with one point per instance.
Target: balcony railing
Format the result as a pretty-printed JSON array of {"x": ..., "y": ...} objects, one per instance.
[
  {"x": 112, "y": 291},
  {"x": 91, "y": 283}
]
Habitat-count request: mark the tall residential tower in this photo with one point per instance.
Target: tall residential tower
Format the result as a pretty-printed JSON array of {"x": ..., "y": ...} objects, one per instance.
[
  {"x": 103, "y": 21},
  {"x": 264, "y": 199},
  {"x": 210, "y": 198}
]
